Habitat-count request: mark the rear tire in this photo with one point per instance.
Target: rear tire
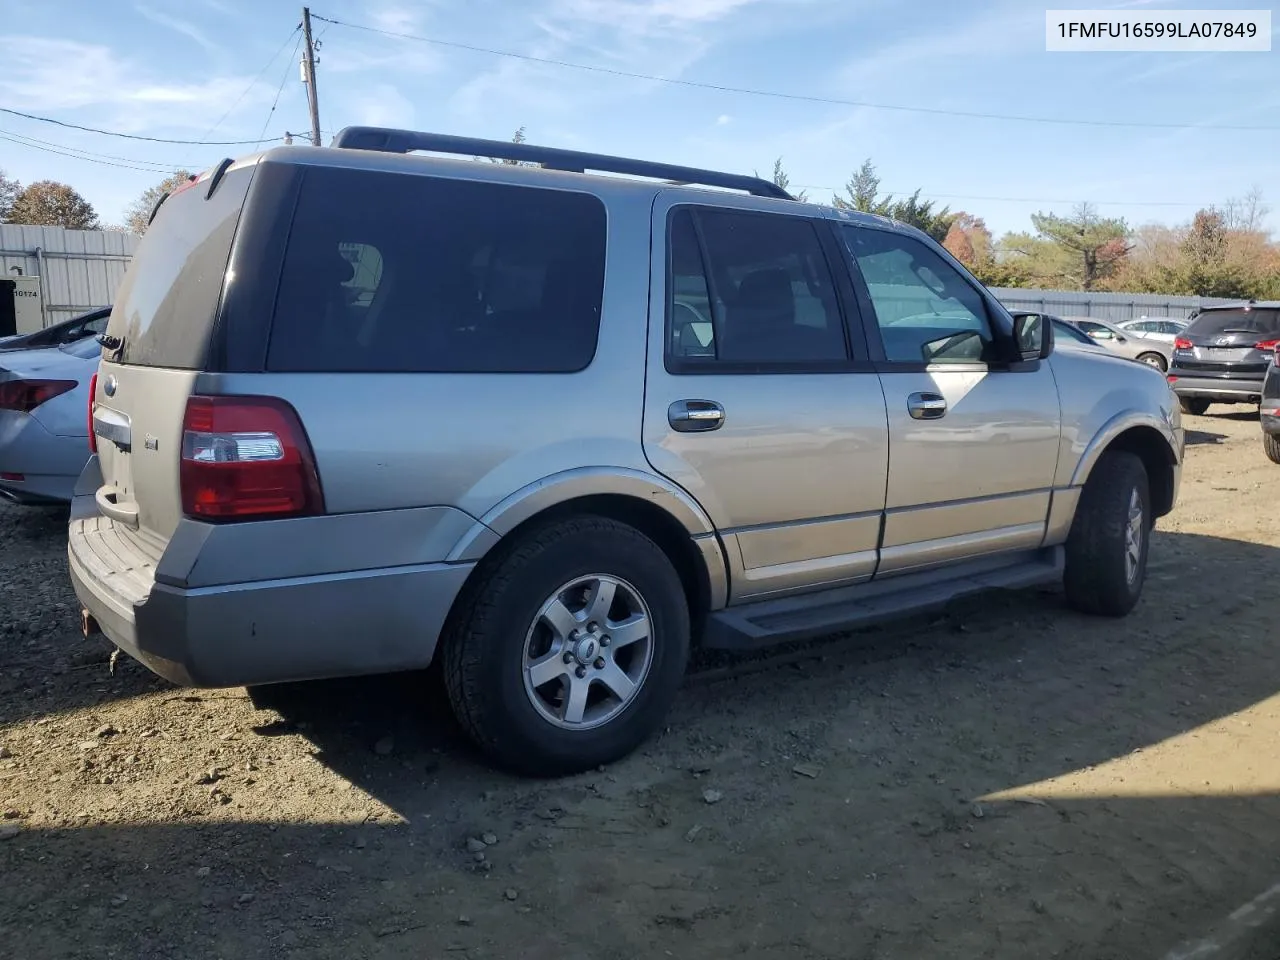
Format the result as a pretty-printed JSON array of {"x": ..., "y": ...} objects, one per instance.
[
  {"x": 520, "y": 644},
  {"x": 1196, "y": 406},
  {"x": 1154, "y": 360},
  {"x": 1271, "y": 444},
  {"x": 1110, "y": 538}
]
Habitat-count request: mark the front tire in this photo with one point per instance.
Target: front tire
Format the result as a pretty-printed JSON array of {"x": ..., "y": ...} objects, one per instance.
[
  {"x": 1271, "y": 444},
  {"x": 568, "y": 649},
  {"x": 1154, "y": 360},
  {"x": 1196, "y": 406},
  {"x": 1110, "y": 538}
]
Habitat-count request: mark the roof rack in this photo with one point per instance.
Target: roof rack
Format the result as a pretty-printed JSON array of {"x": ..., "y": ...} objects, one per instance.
[{"x": 387, "y": 140}]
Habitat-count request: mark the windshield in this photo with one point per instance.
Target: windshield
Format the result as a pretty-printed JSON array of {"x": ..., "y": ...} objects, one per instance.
[{"x": 1266, "y": 322}]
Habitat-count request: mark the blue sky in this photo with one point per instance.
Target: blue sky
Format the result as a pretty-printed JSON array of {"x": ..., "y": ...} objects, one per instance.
[{"x": 187, "y": 71}]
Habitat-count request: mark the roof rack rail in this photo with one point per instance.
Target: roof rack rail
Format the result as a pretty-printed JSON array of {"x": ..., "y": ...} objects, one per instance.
[{"x": 387, "y": 140}]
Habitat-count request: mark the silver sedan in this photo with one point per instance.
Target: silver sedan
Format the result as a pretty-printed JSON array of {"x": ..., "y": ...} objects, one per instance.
[
  {"x": 44, "y": 398},
  {"x": 1154, "y": 353}
]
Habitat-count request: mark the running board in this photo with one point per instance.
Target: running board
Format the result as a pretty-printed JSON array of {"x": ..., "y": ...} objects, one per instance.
[{"x": 763, "y": 623}]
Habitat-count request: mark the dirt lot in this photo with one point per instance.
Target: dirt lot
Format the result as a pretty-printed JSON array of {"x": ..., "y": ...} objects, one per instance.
[{"x": 1011, "y": 780}]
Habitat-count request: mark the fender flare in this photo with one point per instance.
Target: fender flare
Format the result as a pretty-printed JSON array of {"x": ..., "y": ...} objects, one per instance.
[
  {"x": 581, "y": 482},
  {"x": 1118, "y": 424}
]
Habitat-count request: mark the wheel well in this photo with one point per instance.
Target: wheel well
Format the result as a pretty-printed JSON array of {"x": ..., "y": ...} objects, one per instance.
[
  {"x": 1152, "y": 448},
  {"x": 651, "y": 520}
]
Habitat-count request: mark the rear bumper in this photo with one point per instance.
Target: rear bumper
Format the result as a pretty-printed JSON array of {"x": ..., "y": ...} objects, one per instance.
[
  {"x": 1220, "y": 389},
  {"x": 48, "y": 464},
  {"x": 268, "y": 631}
]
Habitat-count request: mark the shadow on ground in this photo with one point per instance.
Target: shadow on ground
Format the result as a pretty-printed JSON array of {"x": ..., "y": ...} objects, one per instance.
[
  {"x": 886, "y": 850},
  {"x": 1195, "y": 437}
]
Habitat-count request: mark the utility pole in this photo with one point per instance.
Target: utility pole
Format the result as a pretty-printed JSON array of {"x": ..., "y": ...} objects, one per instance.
[{"x": 309, "y": 76}]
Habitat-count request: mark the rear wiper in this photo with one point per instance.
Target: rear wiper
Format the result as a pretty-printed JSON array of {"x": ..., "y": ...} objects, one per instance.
[{"x": 109, "y": 342}]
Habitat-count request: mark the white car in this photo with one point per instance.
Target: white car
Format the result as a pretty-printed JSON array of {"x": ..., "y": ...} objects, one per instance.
[
  {"x": 1164, "y": 329},
  {"x": 44, "y": 420}
]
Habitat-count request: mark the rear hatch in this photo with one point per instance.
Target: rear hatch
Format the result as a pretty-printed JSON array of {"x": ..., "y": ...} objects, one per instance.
[
  {"x": 155, "y": 346},
  {"x": 1234, "y": 343}
]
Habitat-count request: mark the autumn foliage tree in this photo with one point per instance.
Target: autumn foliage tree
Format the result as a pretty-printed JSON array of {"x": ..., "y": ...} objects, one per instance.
[
  {"x": 1094, "y": 246},
  {"x": 1223, "y": 252},
  {"x": 47, "y": 203}
]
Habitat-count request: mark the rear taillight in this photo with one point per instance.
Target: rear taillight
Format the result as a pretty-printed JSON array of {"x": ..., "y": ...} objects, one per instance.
[
  {"x": 93, "y": 392},
  {"x": 246, "y": 457},
  {"x": 1172, "y": 378},
  {"x": 1181, "y": 343},
  {"x": 1266, "y": 344},
  {"x": 25, "y": 395}
]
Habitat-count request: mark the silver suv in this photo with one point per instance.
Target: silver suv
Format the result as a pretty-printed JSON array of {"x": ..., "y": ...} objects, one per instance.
[{"x": 357, "y": 409}]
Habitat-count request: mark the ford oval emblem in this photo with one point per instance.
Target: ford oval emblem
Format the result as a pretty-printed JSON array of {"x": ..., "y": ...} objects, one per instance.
[{"x": 109, "y": 387}]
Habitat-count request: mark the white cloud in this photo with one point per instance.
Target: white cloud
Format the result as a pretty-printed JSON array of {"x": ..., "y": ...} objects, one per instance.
[
  {"x": 180, "y": 26},
  {"x": 385, "y": 106},
  {"x": 723, "y": 120},
  {"x": 124, "y": 94},
  {"x": 652, "y": 37}
]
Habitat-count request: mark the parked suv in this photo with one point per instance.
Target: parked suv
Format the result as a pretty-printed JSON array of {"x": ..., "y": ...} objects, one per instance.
[
  {"x": 1223, "y": 354},
  {"x": 358, "y": 409}
]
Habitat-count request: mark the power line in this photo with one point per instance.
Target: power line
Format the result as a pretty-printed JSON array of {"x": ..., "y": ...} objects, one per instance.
[
  {"x": 831, "y": 101},
  {"x": 131, "y": 136},
  {"x": 288, "y": 67},
  {"x": 37, "y": 144},
  {"x": 76, "y": 156},
  {"x": 254, "y": 82}
]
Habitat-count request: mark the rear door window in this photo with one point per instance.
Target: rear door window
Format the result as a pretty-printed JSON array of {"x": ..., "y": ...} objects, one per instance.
[
  {"x": 750, "y": 288},
  {"x": 402, "y": 273},
  {"x": 166, "y": 306}
]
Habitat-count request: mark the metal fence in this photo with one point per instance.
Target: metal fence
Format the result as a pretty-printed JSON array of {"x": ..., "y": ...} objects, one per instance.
[
  {"x": 1116, "y": 307},
  {"x": 78, "y": 269}
]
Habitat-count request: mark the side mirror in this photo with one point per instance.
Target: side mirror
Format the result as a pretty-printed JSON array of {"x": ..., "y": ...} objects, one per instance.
[{"x": 1034, "y": 335}]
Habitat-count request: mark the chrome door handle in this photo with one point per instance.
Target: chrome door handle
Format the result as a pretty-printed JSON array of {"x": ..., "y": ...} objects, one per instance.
[
  {"x": 927, "y": 406},
  {"x": 695, "y": 416}
]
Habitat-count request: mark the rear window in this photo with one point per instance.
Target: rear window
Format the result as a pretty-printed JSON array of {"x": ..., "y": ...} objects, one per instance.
[
  {"x": 1232, "y": 321},
  {"x": 165, "y": 308},
  {"x": 403, "y": 273}
]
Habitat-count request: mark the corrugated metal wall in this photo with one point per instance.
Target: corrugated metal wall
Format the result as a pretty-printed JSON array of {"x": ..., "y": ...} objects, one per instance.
[
  {"x": 1105, "y": 306},
  {"x": 79, "y": 269}
]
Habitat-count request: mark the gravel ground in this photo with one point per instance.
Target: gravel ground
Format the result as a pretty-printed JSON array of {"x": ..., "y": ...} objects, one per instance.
[{"x": 1010, "y": 780}]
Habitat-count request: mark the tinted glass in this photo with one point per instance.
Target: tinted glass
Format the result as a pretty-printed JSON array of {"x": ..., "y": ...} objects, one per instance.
[
  {"x": 764, "y": 293},
  {"x": 690, "y": 326},
  {"x": 1066, "y": 331},
  {"x": 165, "y": 308},
  {"x": 1265, "y": 322},
  {"x": 927, "y": 312},
  {"x": 390, "y": 272}
]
